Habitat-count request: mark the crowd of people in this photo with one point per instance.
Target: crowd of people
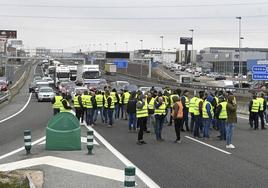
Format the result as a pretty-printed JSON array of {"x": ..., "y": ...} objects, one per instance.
[{"x": 150, "y": 111}]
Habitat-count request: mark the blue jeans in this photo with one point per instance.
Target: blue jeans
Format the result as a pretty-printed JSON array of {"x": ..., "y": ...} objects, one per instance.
[
  {"x": 89, "y": 115},
  {"x": 116, "y": 111},
  {"x": 132, "y": 121},
  {"x": 197, "y": 125},
  {"x": 221, "y": 124},
  {"x": 108, "y": 115},
  {"x": 192, "y": 122},
  {"x": 97, "y": 110},
  {"x": 159, "y": 123},
  {"x": 229, "y": 132},
  {"x": 207, "y": 123}
]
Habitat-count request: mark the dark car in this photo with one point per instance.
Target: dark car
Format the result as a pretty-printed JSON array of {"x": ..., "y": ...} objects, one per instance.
[
  {"x": 220, "y": 77},
  {"x": 3, "y": 85}
]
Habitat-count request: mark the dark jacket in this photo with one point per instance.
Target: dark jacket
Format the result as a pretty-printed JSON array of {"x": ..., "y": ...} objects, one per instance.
[
  {"x": 131, "y": 106},
  {"x": 231, "y": 110}
]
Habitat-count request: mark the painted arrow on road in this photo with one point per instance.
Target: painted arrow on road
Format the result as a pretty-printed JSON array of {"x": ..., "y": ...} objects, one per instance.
[{"x": 81, "y": 167}]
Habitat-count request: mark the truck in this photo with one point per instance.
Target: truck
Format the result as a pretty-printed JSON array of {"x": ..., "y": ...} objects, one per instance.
[
  {"x": 88, "y": 74},
  {"x": 62, "y": 74},
  {"x": 73, "y": 72},
  {"x": 185, "y": 79},
  {"x": 110, "y": 69}
]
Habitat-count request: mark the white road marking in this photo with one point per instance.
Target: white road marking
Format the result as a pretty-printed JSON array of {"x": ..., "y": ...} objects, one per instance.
[
  {"x": 213, "y": 147},
  {"x": 17, "y": 113},
  {"x": 81, "y": 167},
  {"x": 83, "y": 140},
  {"x": 243, "y": 117},
  {"x": 146, "y": 179},
  {"x": 21, "y": 148}
]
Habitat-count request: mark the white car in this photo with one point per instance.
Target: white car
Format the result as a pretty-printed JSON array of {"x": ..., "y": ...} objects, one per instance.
[
  {"x": 78, "y": 89},
  {"x": 45, "y": 93},
  {"x": 144, "y": 89},
  {"x": 49, "y": 80}
]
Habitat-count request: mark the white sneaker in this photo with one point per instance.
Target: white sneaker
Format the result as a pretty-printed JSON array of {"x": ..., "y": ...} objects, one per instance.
[
  {"x": 232, "y": 146},
  {"x": 228, "y": 146}
]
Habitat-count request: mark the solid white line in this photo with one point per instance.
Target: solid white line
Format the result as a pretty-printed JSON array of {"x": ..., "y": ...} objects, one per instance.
[
  {"x": 83, "y": 139},
  {"x": 21, "y": 149},
  {"x": 81, "y": 167},
  {"x": 29, "y": 99},
  {"x": 146, "y": 179},
  {"x": 226, "y": 152}
]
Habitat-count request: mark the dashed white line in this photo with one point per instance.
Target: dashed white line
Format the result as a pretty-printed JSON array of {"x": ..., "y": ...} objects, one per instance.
[{"x": 213, "y": 147}]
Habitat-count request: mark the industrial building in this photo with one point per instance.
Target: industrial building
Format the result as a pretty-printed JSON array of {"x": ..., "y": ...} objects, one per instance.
[{"x": 226, "y": 60}]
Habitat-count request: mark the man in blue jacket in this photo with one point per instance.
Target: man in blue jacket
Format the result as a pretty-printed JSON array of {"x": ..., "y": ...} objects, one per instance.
[{"x": 207, "y": 114}]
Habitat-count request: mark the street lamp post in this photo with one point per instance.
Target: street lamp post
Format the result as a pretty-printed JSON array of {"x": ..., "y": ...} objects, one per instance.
[
  {"x": 115, "y": 46},
  {"x": 162, "y": 48},
  {"x": 141, "y": 44},
  {"x": 239, "y": 49},
  {"x": 126, "y": 46},
  {"x": 107, "y": 47},
  {"x": 192, "y": 53}
]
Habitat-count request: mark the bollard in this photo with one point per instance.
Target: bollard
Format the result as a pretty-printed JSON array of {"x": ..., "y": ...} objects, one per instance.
[
  {"x": 130, "y": 176},
  {"x": 90, "y": 138},
  {"x": 27, "y": 141}
]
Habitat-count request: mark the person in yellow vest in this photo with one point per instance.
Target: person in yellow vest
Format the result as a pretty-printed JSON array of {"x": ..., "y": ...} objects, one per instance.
[
  {"x": 166, "y": 97},
  {"x": 159, "y": 114},
  {"x": 121, "y": 106},
  {"x": 84, "y": 108},
  {"x": 262, "y": 109},
  {"x": 186, "y": 104},
  {"x": 141, "y": 114},
  {"x": 198, "y": 114},
  {"x": 56, "y": 101},
  {"x": 150, "y": 121},
  {"x": 254, "y": 107},
  {"x": 78, "y": 105},
  {"x": 207, "y": 115},
  {"x": 177, "y": 114},
  {"x": 89, "y": 100},
  {"x": 191, "y": 111},
  {"x": 65, "y": 105},
  {"x": 221, "y": 115},
  {"x": 108, "y": 108},
  {"x": 116, "y": 100},
  {"x": 99, "y": 109},
  {"x": 125, "y": 98}
]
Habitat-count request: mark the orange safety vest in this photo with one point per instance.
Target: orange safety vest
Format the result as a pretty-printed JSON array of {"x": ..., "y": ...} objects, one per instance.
[{"x": 180, "y": 112}]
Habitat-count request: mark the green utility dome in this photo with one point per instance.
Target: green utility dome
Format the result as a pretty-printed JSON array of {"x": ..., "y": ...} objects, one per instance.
[{"x": 63, "y": 133}]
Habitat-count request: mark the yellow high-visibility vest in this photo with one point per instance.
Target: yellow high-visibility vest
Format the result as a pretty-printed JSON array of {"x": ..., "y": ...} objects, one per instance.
[
  {"x": 151, "y": 104},
  {"x": 261, "y": 100},
  {"x": 196, "y": 106},
  {"x": 255, "y": 105},
  {"x": 161, "y": 110},
  {"x": 88, "y": 103},
  {"x": 62, "y": 109},
  {"x": 113, "y": 94},
  {"x": 106, "y": 102},
  {"x": 204, "y": 109},
  {"x": 142, "y": 112},
  {"x": 99, "y": 100},
  {"x": 126, "y": 97},
  {"x": 223, "y": 113},
  {"x": 57, "y": 103},
  {"x": 76, "y": 102},
  {"x": 192, "y": 104}
]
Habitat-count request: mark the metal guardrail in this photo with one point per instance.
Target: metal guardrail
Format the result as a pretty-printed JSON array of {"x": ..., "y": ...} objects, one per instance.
[
  {"x": 4, "y": 97},
  {"x": 243, "y": 92}
]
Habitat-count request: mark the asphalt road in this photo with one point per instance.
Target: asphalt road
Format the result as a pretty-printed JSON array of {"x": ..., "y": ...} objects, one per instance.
[{"x": 189, "y": 164}]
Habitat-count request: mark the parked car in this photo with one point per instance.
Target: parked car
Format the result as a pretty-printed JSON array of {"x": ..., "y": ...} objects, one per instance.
[
  {"x": 144, "y": 89},
  {"x": 220, "y": 77},
  {"x": 45, "y": 94},
  {"x": 40, "y": 84}
]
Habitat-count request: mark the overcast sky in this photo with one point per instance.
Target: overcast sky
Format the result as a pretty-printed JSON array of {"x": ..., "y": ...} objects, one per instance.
[{"x": 81, "y": 23}]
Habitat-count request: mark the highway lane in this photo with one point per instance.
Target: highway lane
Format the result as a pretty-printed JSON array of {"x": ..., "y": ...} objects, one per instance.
[{"x": 191, "y": 164}]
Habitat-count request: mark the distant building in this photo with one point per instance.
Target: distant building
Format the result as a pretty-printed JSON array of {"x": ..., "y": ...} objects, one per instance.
[
  {"x": 42, "y": 52},
  {"x": 226, "y": 60}
]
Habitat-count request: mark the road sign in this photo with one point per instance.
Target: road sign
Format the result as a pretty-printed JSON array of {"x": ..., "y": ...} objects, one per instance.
[
  {"x": 260, "y": 72},
  {"x": 9, "y": 34},
  {"x": 186, "y": 40},
  {"x": 121, "y": 64}
]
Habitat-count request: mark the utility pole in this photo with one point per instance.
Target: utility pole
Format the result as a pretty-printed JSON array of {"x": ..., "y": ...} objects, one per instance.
[
  {"x": 192, "y": 53},
  {"x": 126, "y": 46},
  {"x": 239, "y": 49},
  {"x": 141, "y": 44}
]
